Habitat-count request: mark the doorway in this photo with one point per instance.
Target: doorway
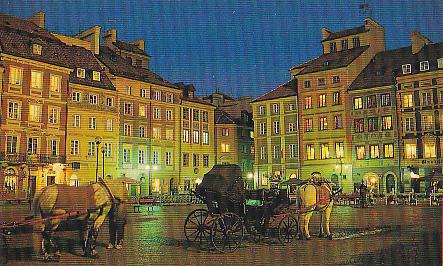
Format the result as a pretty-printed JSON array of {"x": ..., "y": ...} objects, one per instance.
[
  {"x": 32, "y": 186},
  {"x": 390, "y": 183}
]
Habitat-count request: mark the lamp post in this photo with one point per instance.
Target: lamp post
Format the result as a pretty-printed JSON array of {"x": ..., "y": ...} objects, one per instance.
[
  {"x": 142, "y": 178},
  {"x": 98, "y": 140},
  {"x": 341, "y": 171},
  {"x": 103, "y": 150}
]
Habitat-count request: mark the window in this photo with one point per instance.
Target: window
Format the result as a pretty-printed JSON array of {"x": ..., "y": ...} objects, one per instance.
[
  {"x": 291, "y": 127},
  {"x": 56, "y": 83},
  {"x": 168, "y": 115},
  {"x": 410, "y": 150},
  {"x": 292, "y": 150},
  {"x": 127, "y": 108},
  {"x": 93, "y": 99},
  {"x": 324, "y": 151},
  {"x": 355, "y": 42},
  {"x": 196, "y": 138},
  {"x": 336, "y": 79},
  {"x": 76, "y": 96},
  {"x": 344, "y": 44},
  {"x": 36, "y": 49},
  {"x": 321, "y": 81},
  {"x": 95, "y": 75},
  {"x": 309, "y": 125},
  {"x": 169, "y": 134},
  {"x": 127, "y": 130},
  {"x": 262, "y": 110},
  {"x": 408, "y": 100},
  {"x": 322, "y": 100},
  {"x": 81, "y": 73},
  {"x": 142, "y": 132},
  {"x": 360, "y": 150},
  {"x": 262, "y": 153},
  {"x": 429, "y": 150},
  {"x": 308, "y": 102},
  {"x": 129, "y": 90},
  {"x": 374, "y": 151},
  {"x": 32, "y": 145},
  {"x": 76, "y": 123},
  {"x": 388, "y": 150},
  {"x": 142, "y": 110},
  {"x": 262, "y": 128},
  {"x": 54, "y": 115},
  {"x": 13, "y": 110},
  {"x": 372, "y": 124},
  {"x": 333, "y": 47},
  {"x": 276, "y": 126},
  {"x": 126, "y": 155},
  {"x": 185, "y": 135},
  {"x": 36, "y": 79},
  {"x": 108, "y": 150},
  {"x": 156, "y": 133},
  {"x": 371, "y": 101},
  {"x": 11, "y": 144},
  {"x": 338, "y": 122},
  {"x": 291, "y": 107},
  {"x": 276, "y": 152},
  {"x": 359, "y": 125},
  {"x": 157, "y": 113},
  {"x": 16, "y": 76},
  {"x": 409, "y": 124},
  {"x": 386, "y": 122},
  {"x": 91, "y": 148},
  {"x": 275, "y": 108},
  {"x": 307, "y": 83},
  {"x": 185, "y": 159},
  {"x": 427, "y": 122},
  {"x": 406, "y": 68},
  {"x": 426, "y": 98},
  {"x": 225, "y": 147},
  {"x": 109, "y": 124},
  {"x": 358, "y": 103},
  {"x": 440, "y": 62},
  {"x": 339, "y": 149},
  {"x": 310, "y": 152},
  {"x": 225, "y": 132},
  {"x": 141, "y": 157},
  {"x": 195, "y": 115},
  {"x": 195, "y": 160},
  {"x": 92, "y": 123},
  {"x": 170, "y": 98},
  {"x": 386, "y": 99},
  {"x": 35, "y": 112},
  {"x": 155, "y": 157},
  {"x": 204, "y": 116},
  {"x": 157, "y": 95},
  {"x": 75, "y": 147},
  {"x": 424, "y": 65},
  {"x": 205, "y": 137},
  {"x": 143, "y": 93},
  {"x": 336, "y": 98},
  {"x": 323, "y": 123},
  {"x": 168, "y": 158},
  {"x": 205, "y": 160}
]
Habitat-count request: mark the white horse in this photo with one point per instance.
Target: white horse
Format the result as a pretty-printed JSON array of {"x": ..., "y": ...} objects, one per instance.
[{"x": 315, "y": 197}]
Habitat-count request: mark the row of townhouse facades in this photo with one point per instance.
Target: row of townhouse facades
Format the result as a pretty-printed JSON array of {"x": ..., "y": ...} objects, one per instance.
[
  {"x": 78, "y": 108},
  {"x": 363, "y": 113}
]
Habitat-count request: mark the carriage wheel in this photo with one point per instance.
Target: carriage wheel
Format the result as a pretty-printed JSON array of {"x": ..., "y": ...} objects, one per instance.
[
  {"x": 198, "y": 227},
  {"x": 287, "y": 229},
  {"x": 227, "y": 232}
]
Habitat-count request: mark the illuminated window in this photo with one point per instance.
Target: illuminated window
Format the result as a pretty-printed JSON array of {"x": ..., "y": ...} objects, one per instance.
[
  {"x": 262, "y": 152},
  {"x": 374, "y": 151},
  {"x": 262, "y": 128},
  {"x": 308, "y": 102},
  {"x": 408, "y": 100},
  {"x": 336, "y": 98},
  {"x": 360, "y": 150},
  {"x": 129, "y": 90},
  {"x": 91, "y": 148},
  {"x": 440, "y": 62},
  {"x": 225, "y": 132},
  {"x": 291, "y": 127},
  {"x": 13, "y": 110},
  {"x": 81, "y": 73},
  {"x": 323, "y": 123},
  {"x": 36, "y": 79},
  {"x": 95, "y": 75},
  {"x": 225, "y": 147},
  {"x": 309, "y": 125},
  {"x": 142, "y": 110},
  {"x": 426, "y": 98},
  {"x": 16, "y": 76},
  {"x": 108, "y": 150},
  {"x": 158, "y": 95},
  {"x": 324, "y": 151},
  {"x": 388, "y": 150},
  {"x": 386, "y": 122},
  {"x": 36, "y": 49},
  {"x": 170, "y": 134},
  {"x": 185, "y": 135},
  {"x": 359, "y": 125},
  {"x": 35, "y": 112},
  {"x": 291, "y": 107},
  {"x": 156, "y": 133},
  {"x": 54, "y": 115},
  {"x": 56, "y": 83},
  {"x": 410, "y": 150},
  {"x": 155, "y": 157},
  {"x": 310, "y": 152},
  {"x": 262, "y": 110},
  {"x": 339, "y": 149},
  {"x": 276, "y": 126},
  {"x": 109, "y": 124},
  {"x": 429, "y": 150},
  {"x": 292, "y": 150},
  {"x": 358, "y": 103},
  {"x": 11, "y": 144},
  {"x": 338, "y": 122},
  {"x": 196, "y": 138},
  {"x": 205, "y": 138},
  {"x": 424, "y": 65},
  {"x": 322, "y": 100}
]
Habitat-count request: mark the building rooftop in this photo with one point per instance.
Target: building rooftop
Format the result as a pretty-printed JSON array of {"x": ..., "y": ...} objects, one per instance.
[
  {"x": 222, "y": 117},
  {"x": 129, "y": 47},
  {"x": 331, "y": 60},
  {"x": 344, "y": 33},
  {"x": 286, "y": 90}
]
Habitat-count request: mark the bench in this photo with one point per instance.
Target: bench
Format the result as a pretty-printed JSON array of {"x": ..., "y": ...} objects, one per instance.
[{"x": 149, "y": 203}]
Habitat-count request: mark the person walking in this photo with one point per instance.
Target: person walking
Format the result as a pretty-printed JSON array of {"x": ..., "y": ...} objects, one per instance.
[
  {"x": 117, "y": 222},
  {"x": 362, "y": 190}
]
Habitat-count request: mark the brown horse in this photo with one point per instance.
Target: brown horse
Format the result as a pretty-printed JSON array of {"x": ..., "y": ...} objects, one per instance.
[{"x": 98, "y": 199}]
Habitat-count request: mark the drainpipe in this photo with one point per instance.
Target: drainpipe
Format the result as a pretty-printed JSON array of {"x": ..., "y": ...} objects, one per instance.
[
  {"x": 299, "y": 141},
  {"x": 398, "y": 118}
]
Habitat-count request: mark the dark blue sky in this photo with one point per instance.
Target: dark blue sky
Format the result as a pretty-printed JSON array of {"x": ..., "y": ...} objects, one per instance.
[{"x": 243, "y": 47}]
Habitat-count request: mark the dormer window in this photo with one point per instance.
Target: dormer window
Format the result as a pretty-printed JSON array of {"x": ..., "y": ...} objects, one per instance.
[
  {"x": 36, "y": 49},
  {"x": 355, "y": 42},
  {"x": 326, "y": 63},
  {"x": 81, "y": 73},
  {"x": 424, "y": 65},
  {"x": 95, "y": 75},
  {"x": 344, "y": 44},
  {"x": 406, "y": 68},
  {"x": 321, "y": 81},
  {"x": 307, "y": 84},
  {"x": 440, "y": 62},
  {"x": 333, "y": 47},
  {"x": 336, "y": 79}
]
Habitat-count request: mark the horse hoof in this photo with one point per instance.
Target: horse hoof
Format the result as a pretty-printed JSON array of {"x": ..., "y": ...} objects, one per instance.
[
  {"x": 321, "y": 235},
  {"x": 329, "y": 236},
  {"x": 308, "y": 238}
]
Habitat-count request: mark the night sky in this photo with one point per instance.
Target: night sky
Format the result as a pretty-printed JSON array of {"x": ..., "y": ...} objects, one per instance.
[{"x": 242, "y": 47}]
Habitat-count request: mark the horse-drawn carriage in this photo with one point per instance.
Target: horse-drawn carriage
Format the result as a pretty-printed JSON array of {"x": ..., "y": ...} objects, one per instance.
[{"x": 232, "y": 211}]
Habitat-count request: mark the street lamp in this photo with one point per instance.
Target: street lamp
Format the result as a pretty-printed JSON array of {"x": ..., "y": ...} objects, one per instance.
[
  {"x": 98, "y": 140},
  {"x": 103, "y": 149}
]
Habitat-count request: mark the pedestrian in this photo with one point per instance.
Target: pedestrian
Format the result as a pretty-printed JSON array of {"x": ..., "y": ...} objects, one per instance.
[
  {"x": 117, "y": 222},
  {"x": 362, "y": 190}
]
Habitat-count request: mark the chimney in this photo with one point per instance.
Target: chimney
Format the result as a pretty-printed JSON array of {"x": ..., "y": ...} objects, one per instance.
[
  {"x": 325, "y": 33},
  {"x": 140, "y": 44},
  {"x": 418, "y": 41},
  {"x": 38, "y": 19},
  {"x": 110, "y": 36},
  {"x": 91, "y": 35}
]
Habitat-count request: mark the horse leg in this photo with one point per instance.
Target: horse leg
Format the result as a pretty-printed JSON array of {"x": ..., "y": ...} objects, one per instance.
[
  {"x": 50, "y": 250},
  {"x": 321, "y": 233},
  {"x": 327, "y": 219},
  {"x": 307, "y": 218}
]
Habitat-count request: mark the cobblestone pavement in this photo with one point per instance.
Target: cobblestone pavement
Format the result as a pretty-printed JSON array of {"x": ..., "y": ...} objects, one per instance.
[{"x": 390, "y": 235}]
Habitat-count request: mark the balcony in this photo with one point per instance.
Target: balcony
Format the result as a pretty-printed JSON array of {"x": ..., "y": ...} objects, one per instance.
[{"x": 31, "y": 158}]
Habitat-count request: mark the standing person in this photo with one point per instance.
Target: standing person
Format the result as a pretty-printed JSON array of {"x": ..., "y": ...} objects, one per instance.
[
  {"x": 362, "y": 190},
  {"x": 117, "y": 222}
]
